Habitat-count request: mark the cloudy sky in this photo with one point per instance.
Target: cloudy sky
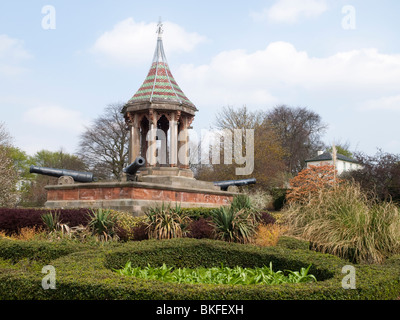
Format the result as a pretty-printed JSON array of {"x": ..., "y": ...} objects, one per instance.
[{"x": 63, "y": 62}]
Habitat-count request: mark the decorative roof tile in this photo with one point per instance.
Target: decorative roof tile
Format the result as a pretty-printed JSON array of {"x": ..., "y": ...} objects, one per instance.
[{"x": 160, "y": 85}]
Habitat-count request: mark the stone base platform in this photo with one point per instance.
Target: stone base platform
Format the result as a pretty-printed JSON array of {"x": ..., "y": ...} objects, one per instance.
[{"x": 135, "y": 196}]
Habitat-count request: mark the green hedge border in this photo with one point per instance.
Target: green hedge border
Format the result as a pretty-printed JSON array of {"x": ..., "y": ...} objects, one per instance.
[{"x": 84, "y": 272}]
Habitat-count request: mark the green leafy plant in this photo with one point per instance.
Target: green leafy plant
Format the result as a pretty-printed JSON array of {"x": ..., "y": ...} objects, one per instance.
[
  {"x": 218, "y": 275},
  {"x": 53, "y": 224},
  {"x": 241, "y": 201},
  {"x": 127, "y": 225},
  {"x": 51, "y": 220},
  {"x": 234, "y": 225},
  {"x": 164, "y": 222},
  {"x": 102, "y": 223}
]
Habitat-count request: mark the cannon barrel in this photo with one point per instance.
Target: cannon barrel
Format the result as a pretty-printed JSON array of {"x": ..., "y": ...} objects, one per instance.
[
  {"x": 135, "y": 166},
  {"x": 76, "y": 175},
  {"x": 225, "y": 184}
]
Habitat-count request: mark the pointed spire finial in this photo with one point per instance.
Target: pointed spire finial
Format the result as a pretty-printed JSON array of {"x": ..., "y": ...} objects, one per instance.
[{"x": 160, "y": 29}]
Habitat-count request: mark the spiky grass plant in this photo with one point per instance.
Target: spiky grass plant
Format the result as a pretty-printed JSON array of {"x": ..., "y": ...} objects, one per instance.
[
  {"x": 234, "y": 225},
  {"x": 165, "y": 222},
  {"x": 51, "y": 220},
  {"x": 102, "y": 223},
  {"x": 241, "y": 201},
  {"x": 348, "y": 223}
]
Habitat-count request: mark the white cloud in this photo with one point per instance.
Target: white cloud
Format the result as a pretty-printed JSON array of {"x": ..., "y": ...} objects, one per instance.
[
  {"x": 132, "y": 43},
  {"x": 273, "y": 74},
  {"x": 290, "y": 11},
  {"x": 389, "y": 103},
  {"x": 54, "y": 117},
  {"x": 12, "y": 53}
]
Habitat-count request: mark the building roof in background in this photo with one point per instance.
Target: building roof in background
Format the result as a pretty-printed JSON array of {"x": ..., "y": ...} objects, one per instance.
[{"x": 327, "y": 156}]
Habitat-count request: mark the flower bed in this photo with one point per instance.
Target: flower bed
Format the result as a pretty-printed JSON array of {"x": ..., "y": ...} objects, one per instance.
[{"x": 85, "y": 271}]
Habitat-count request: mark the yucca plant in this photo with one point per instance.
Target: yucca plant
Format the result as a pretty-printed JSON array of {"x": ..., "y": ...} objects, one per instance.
[
  {"x": 241, "y": 201},
  {"x": 102, "y": 223},
  {"x": 164, "y": 222},
  {"x": 234, "y": 225},
  {"x": 51, "y": 220},
  {"x": 53, "y": 223}
]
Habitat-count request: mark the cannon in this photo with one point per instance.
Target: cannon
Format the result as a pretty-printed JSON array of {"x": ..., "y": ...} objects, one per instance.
[
  {"x": 133, "y": 168},
  {"x": 226, "y": 184},
  {"x": 58, "y": 173}
]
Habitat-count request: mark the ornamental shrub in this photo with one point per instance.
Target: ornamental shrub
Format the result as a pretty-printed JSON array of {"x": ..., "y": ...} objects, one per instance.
[
  {"x": 14, "y": 219},
  {"x": 197, "y": 213},
  {"x": 165, "y": 222},
  {"x": 127, "y": 226},
  {"x": 85, "y": 272},
  {"x": 310, "y": 181},
  {"x": 266, "y": 218},
  {"x": 200, "y": 229}
]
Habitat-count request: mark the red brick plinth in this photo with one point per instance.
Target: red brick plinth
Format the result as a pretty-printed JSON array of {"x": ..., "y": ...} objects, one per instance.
[{"x": 132, "y": 196}]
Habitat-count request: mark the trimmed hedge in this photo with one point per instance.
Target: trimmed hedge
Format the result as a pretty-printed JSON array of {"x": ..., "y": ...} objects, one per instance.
[
  {"x": 293, "y": 243},
  {"x": 198, "y": 213},
  {"x": 12, "y": 220},
  {"x": 41, "y": 251},
  {"x": 85, "y": 273}
]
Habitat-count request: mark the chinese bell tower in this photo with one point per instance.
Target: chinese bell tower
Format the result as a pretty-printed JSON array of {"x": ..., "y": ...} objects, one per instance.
[{"x": 159, "y": 116}]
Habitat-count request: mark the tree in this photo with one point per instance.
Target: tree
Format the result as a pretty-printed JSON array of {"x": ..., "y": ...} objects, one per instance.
[
  {"x": 8, "y": 180},
  {"x": 343, "y": 149},
  {"x": 8, "y": 173},
  {"x": 268, "y": 152},
  {"x": 231, "y": 118},
  {"x": 310, "y": 181},
  {"x": 299, "y": 131},
  {"x": 104, "y": 145},
  {"x": 379, "y": 174},
  {"x": 34, "y": 192}
]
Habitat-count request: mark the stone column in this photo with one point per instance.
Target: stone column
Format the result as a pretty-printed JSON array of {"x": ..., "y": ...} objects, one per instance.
[
  {"x": 151, "y": 139},
  {"x": 183, "y": 153},
  {"x": 163, "y": 136},
  {"x": 173, "y": 139},
  {"x": 134, "y": 138}
]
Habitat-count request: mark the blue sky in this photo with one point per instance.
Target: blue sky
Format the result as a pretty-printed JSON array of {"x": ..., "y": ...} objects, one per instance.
[{"x": 344, "y": 65}]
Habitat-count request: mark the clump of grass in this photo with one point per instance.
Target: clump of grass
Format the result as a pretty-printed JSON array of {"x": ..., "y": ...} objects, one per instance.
[
  {"x": 348, "y": 223},
  {"x": 218, "y": 275},
  {"x": 165, "y": 222},
  {"x": 51, "y": 220},
  {"x": 29, "y": 233},
  {"x": 102, "y": 223},
  {"x": 236, "y": 223}
]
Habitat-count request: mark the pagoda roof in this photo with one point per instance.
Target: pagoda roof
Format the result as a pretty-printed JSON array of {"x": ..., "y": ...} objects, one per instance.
[{"x": 160, "y": 85}]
